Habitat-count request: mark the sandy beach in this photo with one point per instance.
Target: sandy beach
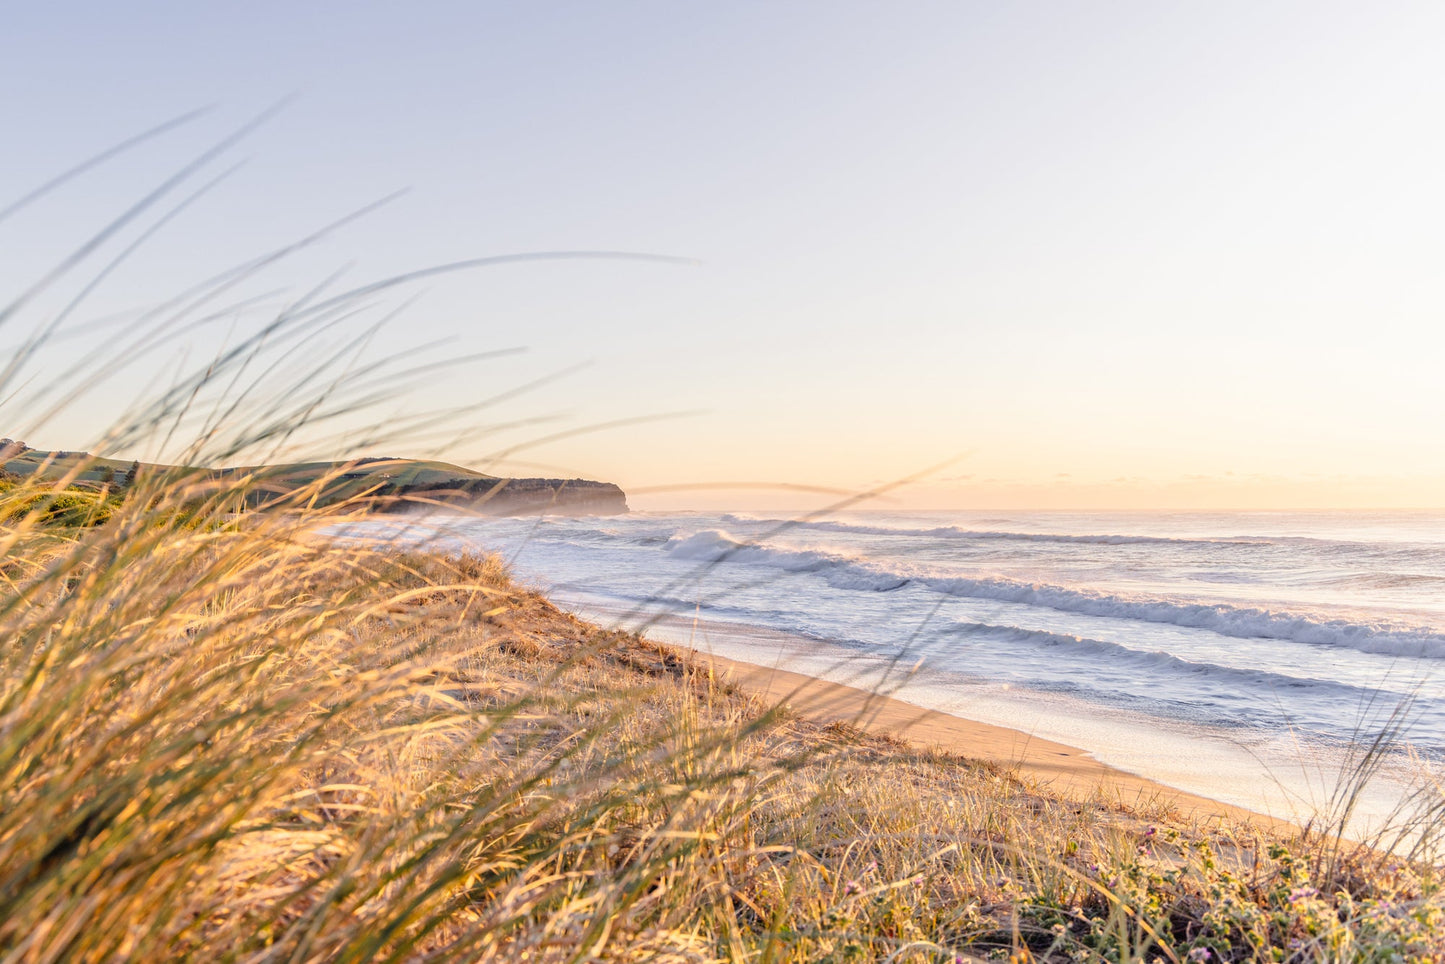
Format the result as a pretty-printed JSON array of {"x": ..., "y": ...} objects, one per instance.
[
  {"x": 1055, "y": 767},
  {"x": 1233, "y": 657}
]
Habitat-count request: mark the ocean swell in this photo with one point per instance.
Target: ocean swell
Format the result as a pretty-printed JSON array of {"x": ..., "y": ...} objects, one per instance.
[
  {"x": 1157, "y": 660},
  {"x": 715, "y": 546}
]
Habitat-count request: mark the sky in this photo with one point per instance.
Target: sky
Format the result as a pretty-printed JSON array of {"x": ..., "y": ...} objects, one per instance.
[{"x": 1119, "y": 255}]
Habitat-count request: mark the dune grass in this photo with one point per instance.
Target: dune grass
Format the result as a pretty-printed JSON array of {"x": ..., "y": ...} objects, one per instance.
[{"x": 224, "y": 736}]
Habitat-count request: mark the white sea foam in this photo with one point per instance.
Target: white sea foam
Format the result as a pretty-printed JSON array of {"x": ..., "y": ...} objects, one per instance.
[
  {"x": 1237, "y": 621},
  {"x": 841, "y": 571},
  {"x": 716, "y": 546},
  {"x": 1116, "y": 655}
]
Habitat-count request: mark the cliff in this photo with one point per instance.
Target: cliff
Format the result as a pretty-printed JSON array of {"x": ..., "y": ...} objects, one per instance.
[
  {"x": 398, "y": 485},
  {"x": 513, "y": 496}
]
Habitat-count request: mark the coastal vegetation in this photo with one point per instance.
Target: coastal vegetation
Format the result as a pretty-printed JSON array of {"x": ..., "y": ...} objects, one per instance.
[
  {"x": 228, "y": 734},
  {"x": 390, "y": 484},
  {"x": 246, "y": 740}
]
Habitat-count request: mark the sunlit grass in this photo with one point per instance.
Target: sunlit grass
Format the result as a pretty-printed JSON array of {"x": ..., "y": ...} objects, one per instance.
[{"x": 226, "y": 736}]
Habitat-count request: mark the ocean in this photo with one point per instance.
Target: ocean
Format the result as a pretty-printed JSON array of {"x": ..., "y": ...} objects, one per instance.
[{"x": 1241, "y": 656}]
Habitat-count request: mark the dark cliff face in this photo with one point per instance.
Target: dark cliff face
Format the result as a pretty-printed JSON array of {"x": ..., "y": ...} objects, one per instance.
[
  {"x": 560, "y": 496},
  {"x": 515, "y": 496}
]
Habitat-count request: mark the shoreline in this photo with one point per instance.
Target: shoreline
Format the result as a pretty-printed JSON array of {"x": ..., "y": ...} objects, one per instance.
[
  {"x": 1065, "y": 770},
  {"x": 1276, "y": 767},
  {"x": 1056, "y": 768}
]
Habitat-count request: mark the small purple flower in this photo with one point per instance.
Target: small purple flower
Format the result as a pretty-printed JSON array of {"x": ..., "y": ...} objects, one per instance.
[
  {"x": 1200, "y": 954},
  {"x": 1302, "y": 893}
]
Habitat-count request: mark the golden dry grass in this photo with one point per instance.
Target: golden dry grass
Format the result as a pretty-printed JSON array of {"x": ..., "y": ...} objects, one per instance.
[{"x": 225, "y": 737}]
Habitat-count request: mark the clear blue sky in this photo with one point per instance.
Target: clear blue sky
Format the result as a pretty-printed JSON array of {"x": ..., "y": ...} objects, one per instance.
[{"x": 1117, "y": 253}]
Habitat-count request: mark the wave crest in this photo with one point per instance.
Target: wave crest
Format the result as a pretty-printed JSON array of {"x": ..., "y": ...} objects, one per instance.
[{"x": 852, "y": 573}]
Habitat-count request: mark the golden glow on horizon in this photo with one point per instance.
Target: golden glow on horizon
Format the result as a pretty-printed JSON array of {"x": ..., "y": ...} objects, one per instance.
[
  {"x": 1222, "y": 494},
  {"x": 1063, "y": 244}
]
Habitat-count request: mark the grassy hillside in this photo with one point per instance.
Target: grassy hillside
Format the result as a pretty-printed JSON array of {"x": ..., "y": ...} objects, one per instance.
[
  {"x": 91, "y": 468},
  {"x": 400, "y": 483}
]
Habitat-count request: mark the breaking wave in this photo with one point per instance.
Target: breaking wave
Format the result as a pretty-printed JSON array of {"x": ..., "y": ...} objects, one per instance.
[
  {"x": 1118, "y": 655},
  {"x": 717, "y": 547}
]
